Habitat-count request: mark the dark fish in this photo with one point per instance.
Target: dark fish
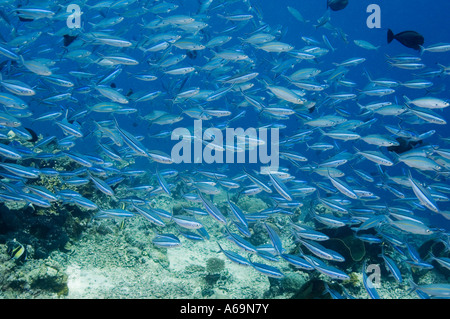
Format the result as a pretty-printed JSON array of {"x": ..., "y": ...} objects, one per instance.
[
  {"x": 410, "y": 39},
  {"x": 404, "y": 145},
  {"x": 68, "y": 39},
  {"x": 16, "y": 250},
  {"x": 25, "y": 19},
  {"x": 191, "y": 54},
  {"x": 337, "y": 5},
  {"x": 33, "y": 134}
]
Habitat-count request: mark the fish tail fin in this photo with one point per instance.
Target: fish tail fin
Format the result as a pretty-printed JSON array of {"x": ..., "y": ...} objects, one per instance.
[
  {"x": 407, "y": 100},
  {"x": 396, "y": 158},
  {"x": 408, "y": 109},
  {"x": 287, "y": 78},
  {"x": 238, "y": 196},
  {"x": 443, "y": 67},
  {"x": 366, "y": 73},
  {"x": 422, "y": 49},
  {"x": 413, "y": 286},
  {"x": 390, "y": 36},
  {"x": 220, "y": 247},
  {"x": 391, "y": 64},
  {"x": 381, "y": 172},
  {"x": 431, "y": 256},
  {"x": 116, "y": 124},
  {"x": 360, "y": 105}
]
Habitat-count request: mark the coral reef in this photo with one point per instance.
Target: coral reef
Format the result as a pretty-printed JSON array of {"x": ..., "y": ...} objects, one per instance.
[
  {"x": 215, "y": 265},
  {"x": 43, "y": 278}
]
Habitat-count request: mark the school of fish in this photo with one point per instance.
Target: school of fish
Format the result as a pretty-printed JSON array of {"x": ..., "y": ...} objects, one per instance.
[{"x": 357, "y": 148}]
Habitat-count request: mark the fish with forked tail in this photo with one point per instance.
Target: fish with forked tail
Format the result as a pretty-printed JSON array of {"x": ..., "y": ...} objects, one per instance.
[{"x": 410, "y": 39}]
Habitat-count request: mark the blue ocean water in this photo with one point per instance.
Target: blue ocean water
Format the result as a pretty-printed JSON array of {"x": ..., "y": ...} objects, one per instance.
[
  {"x": 428, "y": 20},
  {"x": 239, "y": 20}
]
